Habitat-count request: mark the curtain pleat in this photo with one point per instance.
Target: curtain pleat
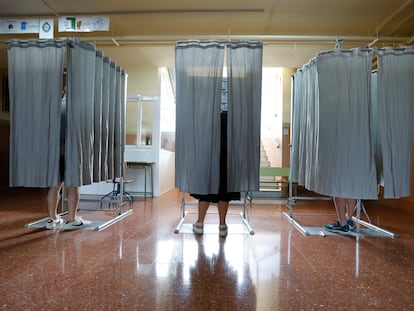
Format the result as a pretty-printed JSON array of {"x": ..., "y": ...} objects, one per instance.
[
  {"x": 97, "y": 147},
  {"x": 244, "y": 69},
  {"x": 80, "y": 109},
  {"x": 396, "y": 116},
  {"x": 124, "y": 78},
  {"x": 199, "y": 70},
  {"x": 106, "y": 73},
  {"x": 296, "y": 116},
  {"x": 117, "y": 125},
  {"x": 307, "y": 125},
  {"x": 111, "y": 120},
  {"x": 376, "y": 128},
  {"x": 303, "y": 103},
  {"x": 35, "y": 86},
  {"x": 310, "y": 126}
]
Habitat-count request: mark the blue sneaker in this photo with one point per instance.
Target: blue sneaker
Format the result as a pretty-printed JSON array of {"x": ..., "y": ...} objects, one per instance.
[
  {"x": 332, "y": 226},
  {"x": 350, "y": 224},
  {"x": 337, "y": 228}
]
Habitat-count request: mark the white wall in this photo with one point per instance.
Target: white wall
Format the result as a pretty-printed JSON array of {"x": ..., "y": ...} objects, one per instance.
[
  {"x": 163, "y": 173},
  {"x": 132, "y": 154},
  {"x": 166, "y": 171}
]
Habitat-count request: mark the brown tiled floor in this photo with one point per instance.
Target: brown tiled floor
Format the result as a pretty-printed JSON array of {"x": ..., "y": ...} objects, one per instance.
[{"x": 139, "y": 263}]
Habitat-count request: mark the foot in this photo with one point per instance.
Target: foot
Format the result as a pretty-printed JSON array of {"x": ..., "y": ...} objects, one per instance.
[
  {"x": 198, "y": 228},
  {"x": 337, "y": 228},
  {"x": 223, "y": 230},
  {"x": 78, "y": 223},
  {"x": 52, "y": 223},
  {"x": 351, "y": 224},
  {"x": 332, "y": 226}
]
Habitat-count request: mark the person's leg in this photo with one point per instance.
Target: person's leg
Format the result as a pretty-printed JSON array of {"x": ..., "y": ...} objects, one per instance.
[
  {"x": 202, "y": 210},
  {"x": 53, "y": 197},
  {"x": 350, "y": 205},
  {"x": 223, "y": 206},
  {"x": 73, "y": 221},
  {"x": 73, "y": 196},
  {"x": 203, "y": 206},
  {"x": 342, "y": 225},
  {"x": 340, "y": 206}
]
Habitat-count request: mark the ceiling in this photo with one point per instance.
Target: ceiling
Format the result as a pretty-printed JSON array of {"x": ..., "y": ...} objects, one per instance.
[{"x": 293, "y": 31}]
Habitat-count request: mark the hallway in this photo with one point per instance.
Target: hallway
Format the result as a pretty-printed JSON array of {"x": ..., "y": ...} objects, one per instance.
[{"x": 139, "y": 263}]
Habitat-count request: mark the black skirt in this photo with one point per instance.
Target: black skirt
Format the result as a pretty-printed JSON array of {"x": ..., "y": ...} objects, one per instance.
[{"x": 222, "y": 194}]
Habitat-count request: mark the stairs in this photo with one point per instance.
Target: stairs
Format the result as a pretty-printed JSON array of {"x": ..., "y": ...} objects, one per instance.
[{"x": 266, "y": 183}]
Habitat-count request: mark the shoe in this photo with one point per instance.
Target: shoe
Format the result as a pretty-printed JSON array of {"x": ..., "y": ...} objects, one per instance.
[
  {"x": 198, "y": 228},
  {"x": 223, "y": 230},
  {"x": 332, "y": 226},
  {"x": 337, "y": 228},
  {"x": 51, "y": 223},
  {"x": 350, "y": 224},
  {"x": 78, "y": 223}
]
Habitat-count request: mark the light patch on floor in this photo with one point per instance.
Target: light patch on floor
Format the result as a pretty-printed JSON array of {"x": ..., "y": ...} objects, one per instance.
[{"x": 214, "y": 229}]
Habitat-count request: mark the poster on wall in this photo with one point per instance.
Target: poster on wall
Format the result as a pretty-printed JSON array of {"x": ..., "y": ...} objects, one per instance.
[
  {"x": 46, "y": 29},
  {"x": 83, "y": 23},
  {"x": 8, "y": 26}
]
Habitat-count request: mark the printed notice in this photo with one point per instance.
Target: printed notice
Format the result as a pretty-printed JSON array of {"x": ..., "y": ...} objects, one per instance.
[
  {"x": 19, "y": 26},
  {"x": 83, "y": 23}
]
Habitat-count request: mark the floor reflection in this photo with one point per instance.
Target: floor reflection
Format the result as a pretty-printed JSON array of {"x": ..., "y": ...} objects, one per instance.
[
  {"x": 217, "y": 272},
  {"x": 139, "y": 263}
]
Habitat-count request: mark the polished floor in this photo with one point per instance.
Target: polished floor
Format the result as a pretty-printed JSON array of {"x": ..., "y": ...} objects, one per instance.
[{"x": 139, "y": 263}]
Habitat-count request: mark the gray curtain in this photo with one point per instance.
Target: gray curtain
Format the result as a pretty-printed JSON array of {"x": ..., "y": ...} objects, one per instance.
[
  {"x": 199, "y": 74},
  {"x": 376, "y": 128},
  {"x": 94, "y": 123},
  {"x": 334, "y": 147},
  {"x": 345, "y": 157},
  {"x": 396, "y": 116},
  {"x": 309, "y": 163},
  {"x": 105, "y": 117},
  {"x": 244, "y": 70},
  {"x": 80, "y": 110},
  {"x": 117, "y": 125},
  {"x": 111, "y": 120},
  {"x": 123, "y": 95},
  {"x": 305, "y": 122},
  {"x": 297, "y": 96},
  {"x": 97, "y": 167},
  {"x": 199, "y": 71},
  {"x": 305, "y": 126},
  {"x": 35, "y": 86}
]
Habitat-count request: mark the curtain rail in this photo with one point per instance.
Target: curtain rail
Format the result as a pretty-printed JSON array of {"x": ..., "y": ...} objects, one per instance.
[{"x": 266, "y": 39}]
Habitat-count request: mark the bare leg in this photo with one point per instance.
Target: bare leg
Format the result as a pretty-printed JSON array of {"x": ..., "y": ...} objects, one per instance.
[
  {"x": 340, "y": 206},
  {"x": 223, "y": 206},
  {"x": 350, "y": 205},
  {"x": 202, "y": 210},
  {"x": 53, "y": 197},
  {"x": 73, "y": 196}
]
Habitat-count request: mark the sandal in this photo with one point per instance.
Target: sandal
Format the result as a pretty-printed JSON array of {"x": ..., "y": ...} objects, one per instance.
[
  {"x": 223, "y": 230},
  {"x": 198, "y": 228}
]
